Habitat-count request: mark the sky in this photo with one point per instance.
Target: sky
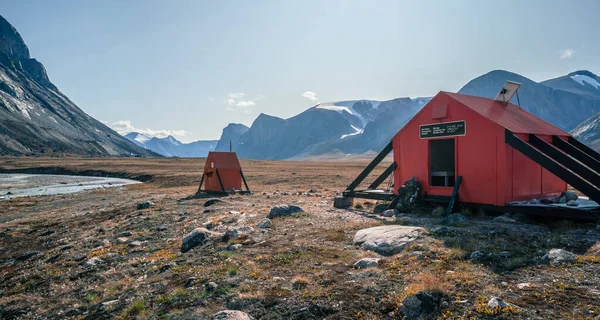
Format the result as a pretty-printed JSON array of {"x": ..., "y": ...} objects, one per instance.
[{"x": 188, "y": 68}]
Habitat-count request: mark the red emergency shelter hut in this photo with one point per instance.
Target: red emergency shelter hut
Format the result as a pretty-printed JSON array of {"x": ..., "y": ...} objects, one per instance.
[
  {"x": 484, "y": 151},
  {"x": 222, "y": 173}
]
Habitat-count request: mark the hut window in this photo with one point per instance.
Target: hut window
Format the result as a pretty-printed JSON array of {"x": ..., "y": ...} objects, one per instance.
[
  {"x": 212, "y": 164},
  {"x": 441, "y": 163}
]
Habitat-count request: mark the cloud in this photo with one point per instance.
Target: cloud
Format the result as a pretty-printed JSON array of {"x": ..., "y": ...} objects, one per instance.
[
  {"x": 124, "y": 127},
  {"x": 310, "y": 96},
  {"x": 566, "y": 53},
  {"x": 240, "y": 102}
]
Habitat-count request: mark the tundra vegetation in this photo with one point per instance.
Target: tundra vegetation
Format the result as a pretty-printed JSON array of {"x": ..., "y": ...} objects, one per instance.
[{"x": 96, "y": 255}]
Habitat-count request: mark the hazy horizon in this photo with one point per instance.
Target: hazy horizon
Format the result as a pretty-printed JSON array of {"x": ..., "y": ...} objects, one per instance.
[{"x": 188, "y": 68}]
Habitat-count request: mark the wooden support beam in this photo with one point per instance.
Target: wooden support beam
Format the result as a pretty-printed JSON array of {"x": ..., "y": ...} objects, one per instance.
[
  {"x": 201, "y": 181},
  {"x": 560, "y": 157},
  {"x": 244, "y": 179},
  {"x": 576, "y": 153},
  {"x": 388, "y": 148},
  {"x": 554, "y": 167},
  {"x": 220, "y": 182},
  {"x": 383, "y": 176},
  {"x": 454, "y": 196},
  {"x": 589, "y": 151}
]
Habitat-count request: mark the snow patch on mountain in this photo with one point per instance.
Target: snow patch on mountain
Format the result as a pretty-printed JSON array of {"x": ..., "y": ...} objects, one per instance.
[
  {"x": 347, "y": 106},
  {"x": 356, "y": 131},
  {"x": 583, "y": 79}
]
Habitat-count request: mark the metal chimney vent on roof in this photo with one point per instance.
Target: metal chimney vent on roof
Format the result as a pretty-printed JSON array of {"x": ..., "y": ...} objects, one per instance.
[{"x": 507, "y": 92}]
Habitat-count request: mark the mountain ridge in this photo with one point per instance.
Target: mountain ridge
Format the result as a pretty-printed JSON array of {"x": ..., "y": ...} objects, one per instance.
[{"x": 36, "y": 118}]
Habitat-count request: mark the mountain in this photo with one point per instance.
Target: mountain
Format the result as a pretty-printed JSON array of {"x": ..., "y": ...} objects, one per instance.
[
  {"x": 355, "y": 126},
  {"x": 231, "y": 133},
  {"x": 588, "y": 132},
  {"x": 581, "y": 82},
  {"x": 564, "y": 109},
  {"x": 35, "y": 117},
  {"x": 171, "y": 147}
]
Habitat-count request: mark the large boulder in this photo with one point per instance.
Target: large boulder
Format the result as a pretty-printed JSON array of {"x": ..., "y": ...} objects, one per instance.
[
  {"x": 558, "y": 256},
  {"x": 231, "y": 315},
  {"x": 283, "y": 210},
  {"x": 197, "y": 237},
  {"x": 421, "y": 305},
  {"x": 386, "y": 240}
]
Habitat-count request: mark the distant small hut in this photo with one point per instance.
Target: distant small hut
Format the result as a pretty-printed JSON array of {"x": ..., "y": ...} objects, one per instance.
[{"x": 222, "y": 173}]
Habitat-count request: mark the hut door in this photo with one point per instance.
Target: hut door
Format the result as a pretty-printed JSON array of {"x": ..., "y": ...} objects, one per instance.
[{"x": 442, "y": 163}]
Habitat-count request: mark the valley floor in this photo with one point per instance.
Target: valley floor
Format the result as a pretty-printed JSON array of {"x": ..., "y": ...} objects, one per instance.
[{"x": 95, "y": 255}]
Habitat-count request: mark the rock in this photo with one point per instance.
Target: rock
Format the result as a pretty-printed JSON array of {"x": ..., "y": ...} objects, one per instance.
[
  {"x": 234, "y": 247},
  {"x": 125, "y": 234},
  {"x": 523, "y": 285},
  {"x": 122, "y": 240},
  {"x": 546, "y": 201},
  {"x": 162, "y": 227},
  {"x": 569, "y": 195},
  {"x": 136, "y": 243},
  {"x": 456, "y": 220},
  {"x": 197, "y": 237},
  {"x": 208, "y": 225},
  {"x": 534, "y": 201},
  {"x": 476, "y": 255},
  {"x": 145, "y": 205},
  {"x": 211, "y": 202},
  {"x": 342, "y": 202},
  {"x": 380, "y": 208},
  {"x": 93, "y": 262},
  {"x": 9, "y": 193},
  {"x": 386, "y": 240},
  {"x": 504, "y": 219},
  {"x": 367, "y": 263},
  {"x": 505, "y": 254},
  {"x": 283, "y": 210},
  {"x": 264, "y": 223},
  {"x": 234, "y": 212},
  {"x": 110, "y": 302},
  {"x": 561, "y": 199},
  {"x": 27, "y": 255},
  {"x": 231, "y": 315},
  {"x": 211, "y": 286},
  {"x": 391, "y": 213},
  {"x": 189, "y": 281},
  {"x": 572, "y": 203},
  {"x": 312, "y": 190},
  {"x": 421, "y": 305},
  {"x": 598, "y": 227},
  {"x": 237, "y": 232},
  {"x": 558, "y": 256},
  {"x": 440, "y": 230},
  {"x": 499, "y": 303}
]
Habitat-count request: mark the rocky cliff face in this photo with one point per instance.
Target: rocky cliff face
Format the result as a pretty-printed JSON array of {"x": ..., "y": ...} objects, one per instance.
[
  {"x": 35, "y": 117},
  {"x": 232, "y": 133},
  {"x": 588, "y": 132}
]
